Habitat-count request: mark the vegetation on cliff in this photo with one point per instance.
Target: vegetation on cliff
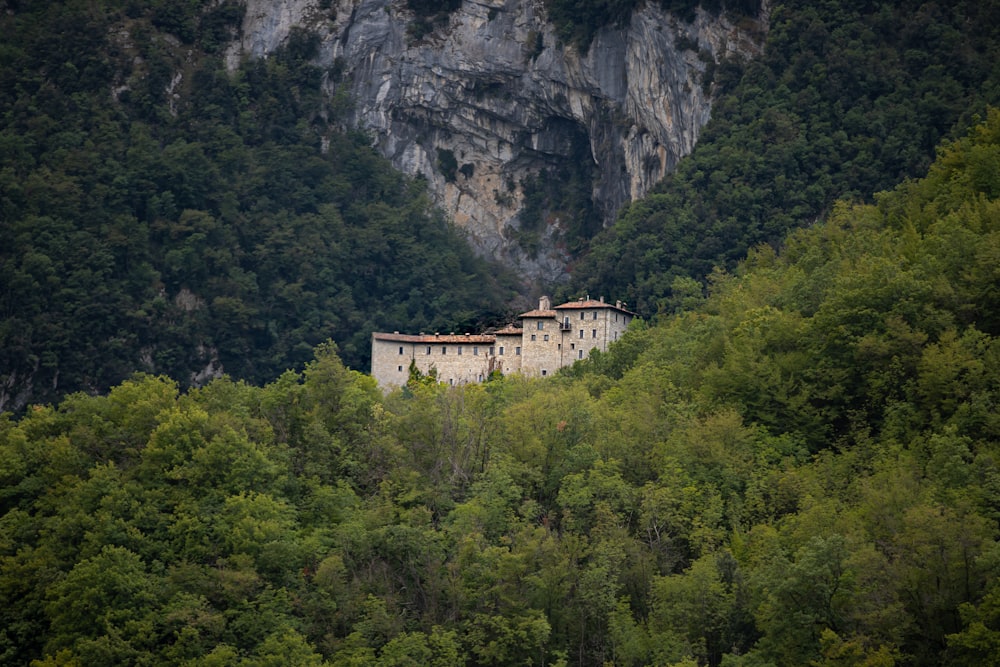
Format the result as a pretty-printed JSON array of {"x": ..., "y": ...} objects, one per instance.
[
  {"x": 848, "y": 99},
  {"x": 159, "y": 213},
  {"x": 798, "y": 465},
  {"x": 801, "y": 469}
]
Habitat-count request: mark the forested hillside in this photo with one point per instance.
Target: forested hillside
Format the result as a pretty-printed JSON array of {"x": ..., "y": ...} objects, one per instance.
[
  {"x": 800, "y": 469},
  {"x": 848, "y": 99},
  {"x": 158, "y": 213}
]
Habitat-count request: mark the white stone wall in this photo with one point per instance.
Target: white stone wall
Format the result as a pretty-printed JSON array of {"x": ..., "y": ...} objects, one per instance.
[
  {"x": 389, "y": 367},
  {"x": 456, "y": 359},
  {"x": 512, "y": 353},
  {"x": 542, "y": 341},
  {"x": 548, "y": 341}
]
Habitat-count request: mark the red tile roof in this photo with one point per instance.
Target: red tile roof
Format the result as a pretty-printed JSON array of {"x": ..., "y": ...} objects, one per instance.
[
  {"x": 590, "y": 304},
  {"x": 539, "y": 313},
  {"x": 436, "y": 338}
]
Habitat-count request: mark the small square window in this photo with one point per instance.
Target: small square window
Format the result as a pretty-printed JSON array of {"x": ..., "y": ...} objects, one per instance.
[
  {"x": 399, "y": 368},
  {"x": 572, "y": 346},
  {"x": 546, "y": 338},
  {"x": 533, "y": 337},
  {"x": 544, "y": 372}
]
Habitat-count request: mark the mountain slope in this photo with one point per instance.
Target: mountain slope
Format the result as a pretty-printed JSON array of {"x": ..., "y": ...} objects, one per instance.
[
  {"x": 162, "y": 214},
  {"x": 847, "y": 100},
  {"x": 802, "y": 470}
]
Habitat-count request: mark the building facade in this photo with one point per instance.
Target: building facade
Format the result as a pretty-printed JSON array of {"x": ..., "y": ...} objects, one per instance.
[{"x": 548, "y": 339}]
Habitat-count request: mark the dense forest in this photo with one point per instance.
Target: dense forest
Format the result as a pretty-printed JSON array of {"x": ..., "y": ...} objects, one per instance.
[
  {"x": 794, "y": 462},
  {"x": 800, "y": 468},
  {"x": 160, "y": 213},
  {"x": 848, "y": 99}
]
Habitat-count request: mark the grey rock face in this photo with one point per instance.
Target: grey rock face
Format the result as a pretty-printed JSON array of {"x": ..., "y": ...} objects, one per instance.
[{"x": 495, "y": 89}]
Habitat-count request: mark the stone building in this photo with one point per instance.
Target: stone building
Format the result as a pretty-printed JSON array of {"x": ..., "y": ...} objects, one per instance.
[{"x": 548, "y": 339}]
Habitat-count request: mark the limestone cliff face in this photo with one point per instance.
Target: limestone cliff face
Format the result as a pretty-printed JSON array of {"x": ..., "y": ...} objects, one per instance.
[{"x": 494, "y": 89}]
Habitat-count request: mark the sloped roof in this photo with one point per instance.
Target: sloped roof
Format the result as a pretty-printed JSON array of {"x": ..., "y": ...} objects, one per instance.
[
  {"x": 435, "y": 338},
  {"x": 539, "y": 313},
  {"x": 591, "y": 304}
]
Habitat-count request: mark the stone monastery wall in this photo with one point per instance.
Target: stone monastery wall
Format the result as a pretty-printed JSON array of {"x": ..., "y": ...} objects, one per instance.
[{"x": 548, "y": 339}]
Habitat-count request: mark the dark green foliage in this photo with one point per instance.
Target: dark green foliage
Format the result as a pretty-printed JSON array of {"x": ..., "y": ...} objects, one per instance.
[
  {"x": 798, "y": 468},
  {"x": 847, "y": 100},
  {"x": 562, "y": 194},
  {"x": 447, "y": 164},
  {"x": 577, "y": 21},
  {"x": 221, "y": 222},
  {"x": 428, "y": 14}
]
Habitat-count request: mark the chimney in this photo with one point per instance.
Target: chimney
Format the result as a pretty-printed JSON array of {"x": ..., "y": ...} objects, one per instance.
[
  {"x": 544, "y": 303},
  {"x": 618, "y": 304},
  {"x": 602, "y": 299}
]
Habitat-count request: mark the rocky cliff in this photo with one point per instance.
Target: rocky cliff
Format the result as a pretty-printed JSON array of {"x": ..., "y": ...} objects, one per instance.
[{"x": 485, "y": 98}]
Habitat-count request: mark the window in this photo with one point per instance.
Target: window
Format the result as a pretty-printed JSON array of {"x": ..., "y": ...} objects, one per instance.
[
  {"x": 616, "y": 335},
  {"x": 460, "y": 350},
  {"x": 544, "y": 372},
  {"x": 546, "y": 338},
  {"x": 616, "y": 317},
  {"x": 581, "y": 354},
  {"x": 475, "y": 351},
  {"x": 444, "y": 350},
  {"x": 401, "y": 349},
  {"x": 558, "y": 346},
  {"x": 517, "y": 351},
  {"x": 595, "y": 315},
  {"x": 428, "y": 349},
  {"x": 583, "y": 315},
  {"x": 581, "y": 333},
  {"x": 399, "y": 368},
  {"x": 501, "y": 350},
  {"x": 533, "y": 337},
  {"x": 593, "y": 333},
  {"x": 541, "y": 325},
  {"x": 492, "y": 352},
  {"x": 572, "y": 346},
  {"x": 451, "y": 381}
]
